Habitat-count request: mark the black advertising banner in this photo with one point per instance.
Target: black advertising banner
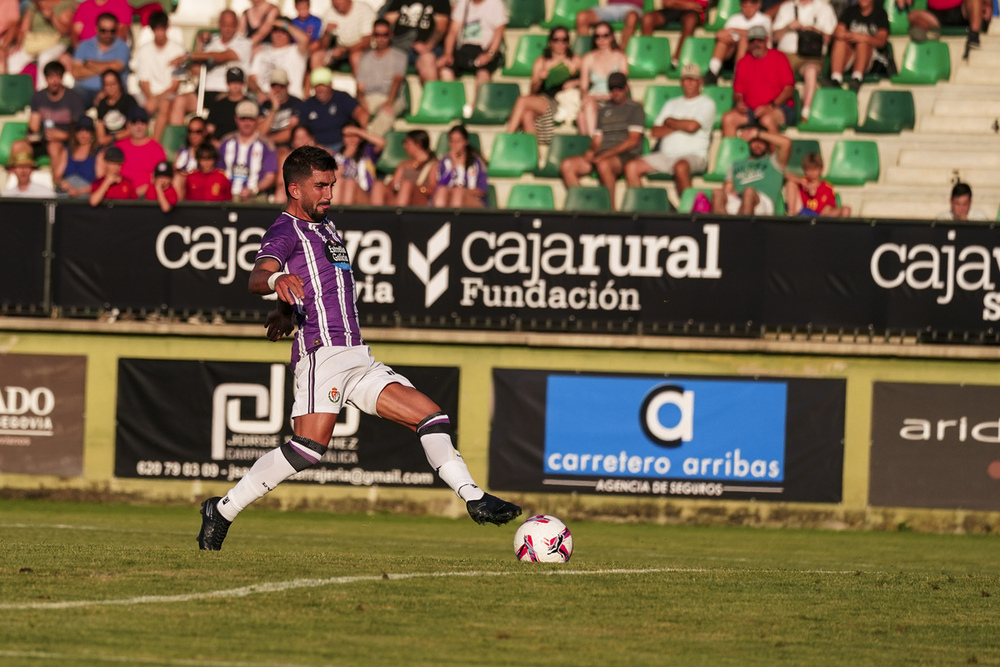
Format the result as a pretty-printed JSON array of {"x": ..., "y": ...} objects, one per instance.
[
  {"x": 22, "y": 257},
  {"x": 935, "y": 445},
  {"x": 711, "y": 437},
  {"x": 41, "y": 414},
  {"x": 211, "y": 420}
]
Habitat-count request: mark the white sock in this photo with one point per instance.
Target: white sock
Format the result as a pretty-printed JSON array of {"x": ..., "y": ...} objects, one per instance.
[
  {"x": 267, "y": 472},
  {"x": 714, "y": 65},
  {"x": 435, "y": 436},
  {"x": 456, "y": 474},
  {"x": 839, "y": 78},
  {"x": 805, "y": 112},
  {"x": 857, "y": 75}
]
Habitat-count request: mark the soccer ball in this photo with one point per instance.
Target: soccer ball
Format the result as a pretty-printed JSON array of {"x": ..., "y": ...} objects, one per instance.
[{"x": 543, "y": 539}]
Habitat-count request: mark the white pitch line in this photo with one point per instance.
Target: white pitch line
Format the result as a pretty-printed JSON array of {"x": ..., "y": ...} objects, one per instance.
[{"x": 104, "y": 658}]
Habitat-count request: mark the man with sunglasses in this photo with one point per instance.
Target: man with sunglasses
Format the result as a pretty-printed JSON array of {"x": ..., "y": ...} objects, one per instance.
[
  {"x": 763, "y": 88},
  {"x": 381, "y": 73},
  {"x": 97, "y": 55}
]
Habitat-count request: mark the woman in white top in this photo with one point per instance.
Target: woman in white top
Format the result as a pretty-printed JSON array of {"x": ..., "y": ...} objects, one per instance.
[
  {"x": 596, "y": 66},
  {"x": 809, "y": 15}
]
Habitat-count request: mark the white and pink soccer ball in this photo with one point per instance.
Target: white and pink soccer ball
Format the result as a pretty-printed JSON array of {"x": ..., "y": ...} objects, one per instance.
[{"x": 543, "y": 539}]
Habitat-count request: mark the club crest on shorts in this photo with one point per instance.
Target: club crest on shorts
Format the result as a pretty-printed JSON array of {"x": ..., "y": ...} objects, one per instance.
[{"x": 334, "y": 395}]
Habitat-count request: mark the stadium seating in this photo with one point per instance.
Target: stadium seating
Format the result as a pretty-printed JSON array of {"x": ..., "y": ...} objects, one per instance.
[
  {"x": 899, "y": 22},
  {"x": 800, "y": 148},
  {"x": 173, "y": 139},
  {"x": 440, "y": 103},
  {"x": 587, "y": 198},
  {"x": 697, "y": 50},
  {"x": 441, "y": 148},
  {"x": 562, "y": 147},
  {"x": 731, "y": 149},
  {"x": 889, "y": 112},
  {"x": 11, "y": 132},
  {"x": 654, "y": 99},
  {"x": 513, "y": 155},
  {"x": 725, "y": 9},
  {"x": 723, "y": 98},
  {"x": 854, "y": 162},
  {"x": 529, "y": 48},
  {"x": 833, "y": 110},
  {"x": 687, "y": 199},
  {"x": 494, "y": 102},
  {"x": 16, "y": 91},
  {"x": 524, "y": 13},
  {"x": 648, "y": 56},
  {"x": 924, "y": 63},
  {"x": 564, "y": 12},
  {"x": 531, "y": 196},
  {"x": 491, "y": 197},
  {"x": 582, "y": 44},
  {"x": 646, "y": 200},
  {"x": 392, "y": 154}
]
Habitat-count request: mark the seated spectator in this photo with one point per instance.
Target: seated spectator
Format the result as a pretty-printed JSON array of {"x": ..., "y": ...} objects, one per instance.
[
  {"x": 628, "y": 12},
  {"x": 418, "y": 30},
  {"x": 813, "y": 16},
  {"x": 144, "y": 9},
  {"x": 219, "y": 53},
  {"x": 75, "y": 174},
  {"x": 94, "y": 56},
  {"x": 859, "y": 43},
  {"x": 155, "y": 62},
  {"x": 185, "y": 161},
  {"x": 461, "y": 174},
  {"x": 87, "y": 18},
  {"x": 112, "y": 185},
  {"x": 162, "y": 190},
  {"x": 975, "y": 14},
  {"x": 248, "y": 160},
  {"x": 141, "y": 152},
  {"x": 347, "y": 33},
  {"x": 381, "y": 73},
  {"x": 113, "y": 105},
  {"x": 684, "y": 129},
  {"x": 207, "y": 182},
  {"x": 763, "y": 88},
  {"x": 413, "y": 182},
  {"x": 809, "y": 194},
  {"x": 43, "y": 35},
  {"x": 595, "y": 67},
  {"x": 257, "y": 22},
  {"x": 617, "y": 139},
  {"x": 961, "y": 205},
  {"x": 356, "y": 165},
  {"x": 279, "y": 118},
  {"x": 23, "y": 165},
  {"x": 53, "y": 111},
  {"x": 287, "y": 50},
  {"x": 731, "y": 42},
  {"x": 753, "y": 185},
  {"x": 308, "y": 23},
  {"x": 474, "y": 43},
  {"x": 328, "y": 110},
  {"x": 302, "y": 136},
  {"x": 556, "y": 70},
  {"x": 221, "y": 119},
  {"x": 689, "y": 13}
]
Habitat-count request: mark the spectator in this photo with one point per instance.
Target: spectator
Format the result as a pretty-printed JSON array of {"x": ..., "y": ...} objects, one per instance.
[
  {"x": 859, "y": 43},
  {"x": 221, "y": 119},
  {"x": 628, "y": 12},
  {"x": 52, "y": 113},
  {"x": 474, "y": 43},
  {"x": 753, "y": 185},
  {"x": 144, "y": 10},
  {"x": 809, "y": 194},
  {"x": 356, "y": 165},
  {"x": 113, "y": 105},
  {"x": 87, "y": 18},
  {"x": 308, "y": 23},
  {"x": 113, "y": 184},
  {"x": 689, "y": 13},
  {"x": 617, "y": 139},
  {"x": 257, "y": 22},
  {"x": 731, "y": 42},
  {"x": 461, "y": 174},
  {"x": 23, "y": 164},
  {"x": 302, "y": 136},
  {"x": 43, "y": 35},
  {"x": 975, "y": 14},
  {"x": 961, "y": 205},
  {"x": 75, "y": 174},
  {"x": 219, "y": 53},
  {"x": 162, "y": 190},
  {"x": 684, "y": 129},
  {"x": 248, "y": 160},
  {"x": 805, "y": 16},
  {"x": 288, "y": 50},
  {"x": 155, "y": 62},
  {"x": 98, "y": 54},
  {"x": 347, "y": 34},
  {"x": 328, "y": 110},
  {"x": 763, "y": 88},
  {"x": 595, "y": 68},
  {"x": 555, "y": 71},
  {"x": 207, "y": 182},
  {"x": 381, "y": 73},
  {"x": 418, "y": 30},
  {"x": 185, "y": 161},
  {"x": 413, "y": 182},
  {"x": 279, "y": 118},
  {"x": 141, "y": 152}
]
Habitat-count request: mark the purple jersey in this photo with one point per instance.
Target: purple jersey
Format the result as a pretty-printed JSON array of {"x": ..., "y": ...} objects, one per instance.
[{"x": 315, "y": 252}]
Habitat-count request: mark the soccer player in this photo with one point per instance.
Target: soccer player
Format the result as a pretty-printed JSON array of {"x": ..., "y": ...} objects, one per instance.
[{"x": 302, "y": 258}]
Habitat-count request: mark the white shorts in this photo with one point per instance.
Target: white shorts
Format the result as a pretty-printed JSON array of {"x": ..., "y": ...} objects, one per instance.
[
  {"x": 332, "y": 376},
  {"x": 664, "y": 164},
  {"x": 615, "y": 13},
  {"x": 764, "y": 207}
]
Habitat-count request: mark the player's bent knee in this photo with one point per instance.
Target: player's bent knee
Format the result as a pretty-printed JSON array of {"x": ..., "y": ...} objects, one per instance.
[{"x": 302, "y": 453}]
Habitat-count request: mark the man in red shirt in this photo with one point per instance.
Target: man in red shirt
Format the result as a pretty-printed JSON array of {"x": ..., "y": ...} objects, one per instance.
[
  {"x": 763, "y": 88},
  {"x": 207, "y": 183},
  {"x": 112, "y": 185}
]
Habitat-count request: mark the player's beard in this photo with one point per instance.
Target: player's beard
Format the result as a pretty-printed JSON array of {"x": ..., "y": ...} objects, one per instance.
[{"x": 314, "y": 212}]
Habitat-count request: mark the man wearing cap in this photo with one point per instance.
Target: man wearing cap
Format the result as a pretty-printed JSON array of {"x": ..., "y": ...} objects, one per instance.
[
  {"x": 162, "y": 191},
  {"x": 279, "y": 118},
  {"x": 753, "y": 185},
  {"x": 141, "y": 152},
  {"x": 248, "y": 160},
  {"x": 289, "y": 52},
  {"x": 381, "y": 73},
  {"x": 221, "y": 119},
  {"x": 326, "y": 112},
  {"x": 617, "y": 139},
  {"x": 112, "y": 185},
  {"x": 155, "y": 62},
  {"x": 763, "y": 88},
  {"x": 23, "y": 165},
  {"x": 96, "y": 55},
  {"x": 684, "y": 128}
]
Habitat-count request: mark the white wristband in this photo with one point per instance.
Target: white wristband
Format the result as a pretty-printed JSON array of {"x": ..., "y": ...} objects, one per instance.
[{"x": 274, "y": 278}]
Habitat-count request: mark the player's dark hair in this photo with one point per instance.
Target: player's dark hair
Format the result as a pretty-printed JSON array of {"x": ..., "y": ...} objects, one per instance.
[
  {"x": 158, "y": 20},
  {"x": 960, "y": 190},
  {"x": 300, "y": 164}
]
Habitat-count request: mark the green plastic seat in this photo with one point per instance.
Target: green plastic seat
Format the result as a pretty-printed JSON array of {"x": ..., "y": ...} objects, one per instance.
[
  {"x": 491, "y": 197},
  {"x": 524, "y": 13},
  {"x": 582, "y": 44},
  {"x": 529, "y": 49},
  {"x": 531, "y": 196},
  {"x": 800, "y": 148},
  {"x": 404, "y": 90},
  {"x": 441, "y": 102},
  {"x": 924, "y": 63},
  {"x": 731, "y": 149},
  {"x": 854, "y": 162},
  {"x": 16, "y": 91},
  {"x": 725, "y": 9},
  {"x": 687, "y": 198},
  {"x": 587, "y": 198},
  {"x": 655, "y": 98},
  {"x": 697, "y": 50},
  {"x": 11, "y": 132},
  {"x": 393, "y": 152},
  {"x": 564, "y": 12},
  {"x": 648, "y": 56},
  {"x": 494, "y": 102},
  {"x": 889, "y": 112},
  {"x": 562, "y": 147},
  {"x": 833, "y": 110},
  {"x": 173, "y": 139},
  {"x": 513, "y": 155},
  {"x": 899, "y": 20},
  {"x": 646, "y": 200},
  {"x": 441, "y": 148},
  {"x": 723, "y": 98}
]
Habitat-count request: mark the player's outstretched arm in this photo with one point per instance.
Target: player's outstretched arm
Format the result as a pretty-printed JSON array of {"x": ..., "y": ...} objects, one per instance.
[{"x": 267, "y": 278}]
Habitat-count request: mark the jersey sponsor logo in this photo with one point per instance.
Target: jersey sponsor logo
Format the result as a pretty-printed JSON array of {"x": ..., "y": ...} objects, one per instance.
[{"x": 337, "y": 255}]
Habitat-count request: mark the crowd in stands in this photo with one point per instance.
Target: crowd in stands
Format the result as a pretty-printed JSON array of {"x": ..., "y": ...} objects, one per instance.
[{"x": 267, "y": 87}]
